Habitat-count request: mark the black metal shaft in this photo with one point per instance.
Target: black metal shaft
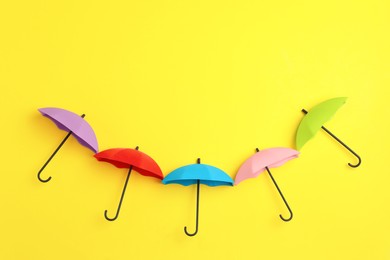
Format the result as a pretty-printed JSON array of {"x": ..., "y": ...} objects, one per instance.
[
  {"x": 281, "y": 194},
  {"x": 51, "y": 157},
  {"x": 122, "y": 196},
  {"x": 342, "y": 143},
  {"x": 197, "y": 212}
]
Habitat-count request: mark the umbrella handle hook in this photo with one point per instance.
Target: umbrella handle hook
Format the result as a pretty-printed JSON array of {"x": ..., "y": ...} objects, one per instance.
[
  {"x": 120, "y": 202},
  {"x": 342, "y": 143},
  {"x": 197, "y": 212},
  {"x": 51, "y": 157},
  {"x": 281, "y": 194}
]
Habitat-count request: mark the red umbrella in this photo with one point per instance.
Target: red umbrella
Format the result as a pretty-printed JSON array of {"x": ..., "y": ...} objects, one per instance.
[{"x": 132, "y": 159}]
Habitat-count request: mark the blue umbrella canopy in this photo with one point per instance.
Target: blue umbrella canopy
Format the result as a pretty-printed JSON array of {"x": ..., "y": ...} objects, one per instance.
[{"x": 206, "y": 174}]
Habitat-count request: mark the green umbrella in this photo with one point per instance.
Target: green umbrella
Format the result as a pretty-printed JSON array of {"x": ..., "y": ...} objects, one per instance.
[{"x": 313, "y": 121}]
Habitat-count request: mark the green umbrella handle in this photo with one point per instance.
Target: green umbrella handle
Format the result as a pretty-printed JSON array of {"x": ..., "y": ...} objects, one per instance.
[
  {"x": 54, "y": 153},
  {"x": 342, "y": 143}
]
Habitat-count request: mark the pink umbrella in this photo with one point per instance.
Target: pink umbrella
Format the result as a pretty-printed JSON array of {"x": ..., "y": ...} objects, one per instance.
[{"x": 263, "y": 160}]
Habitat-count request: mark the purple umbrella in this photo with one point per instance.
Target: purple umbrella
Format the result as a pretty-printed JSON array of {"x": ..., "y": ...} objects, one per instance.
[{"x": 73, "y": 124}]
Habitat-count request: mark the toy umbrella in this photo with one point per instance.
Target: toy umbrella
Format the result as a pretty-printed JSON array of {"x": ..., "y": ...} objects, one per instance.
[
  {"x": 132, "y": 159},
  {"x": 314, "y": 120},
  {"x": 199, "y": 174},
  {"x": 73, "y": 124},
  {"x": 263, "y": 160}
]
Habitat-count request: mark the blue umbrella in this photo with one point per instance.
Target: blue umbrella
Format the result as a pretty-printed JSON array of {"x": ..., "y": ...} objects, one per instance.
[{"x": 199, "y": 174}]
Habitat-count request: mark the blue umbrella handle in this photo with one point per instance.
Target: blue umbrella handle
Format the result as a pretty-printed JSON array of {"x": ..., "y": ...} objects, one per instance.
[
  {"x": 120, "y": 202},
  {"x": 51, "y": 157},
  {"x": 197, "y": 211},
  {"x": 342, "y": 143}
]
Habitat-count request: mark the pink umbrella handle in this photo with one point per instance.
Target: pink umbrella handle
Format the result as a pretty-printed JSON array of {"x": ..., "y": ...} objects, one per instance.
[
  {"x": 281, "y": 194},
  {"x": 342, "y": 143}
]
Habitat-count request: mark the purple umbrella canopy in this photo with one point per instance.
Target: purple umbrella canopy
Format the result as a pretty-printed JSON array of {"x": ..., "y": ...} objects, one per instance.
[
  {"x": 71, "y": 122},
  {"x": 75, "y": 125}
]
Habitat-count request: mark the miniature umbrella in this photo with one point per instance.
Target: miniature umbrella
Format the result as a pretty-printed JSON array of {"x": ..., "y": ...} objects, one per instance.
[
  {"x": 263, "y": 160},
  {"x": 73, "y": 124},
  {"x": 132, "y": 159},
  {"x": 313, "y": 121},
  {"x": 199, "y": 174}
]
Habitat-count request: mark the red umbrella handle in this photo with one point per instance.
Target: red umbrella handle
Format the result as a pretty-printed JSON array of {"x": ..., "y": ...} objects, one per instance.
[
  {"x": 120, "y": 202},
  {"x": 122, "y": 196}
]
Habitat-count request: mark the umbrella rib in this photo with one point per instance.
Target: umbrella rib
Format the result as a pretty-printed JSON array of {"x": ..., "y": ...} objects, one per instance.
[{"x": 122, "y": 196}]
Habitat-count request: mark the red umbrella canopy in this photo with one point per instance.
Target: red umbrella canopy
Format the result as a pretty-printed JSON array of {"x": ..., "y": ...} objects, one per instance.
[{"x": 127, "y": 157}]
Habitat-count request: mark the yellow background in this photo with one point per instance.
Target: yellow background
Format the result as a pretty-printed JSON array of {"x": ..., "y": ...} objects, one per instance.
[{"x": 188, "y": 79}]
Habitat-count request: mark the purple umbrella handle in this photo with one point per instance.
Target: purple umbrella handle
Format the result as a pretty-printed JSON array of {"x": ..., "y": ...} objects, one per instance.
[
  {"x": 51, "y": 157},
  {"x": 342, "y": 143}
]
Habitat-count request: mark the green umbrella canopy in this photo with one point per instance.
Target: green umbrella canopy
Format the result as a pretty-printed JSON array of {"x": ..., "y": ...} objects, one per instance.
[{"x": 315, "y": 118}]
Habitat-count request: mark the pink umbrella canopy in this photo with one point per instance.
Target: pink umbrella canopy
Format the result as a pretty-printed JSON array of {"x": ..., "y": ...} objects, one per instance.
[
  {"x": 257, "y": 163},
  {"x": 262, "y": 161}
]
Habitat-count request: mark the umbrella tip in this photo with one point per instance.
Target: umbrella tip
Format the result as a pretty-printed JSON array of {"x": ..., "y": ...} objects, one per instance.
[
  {"x": 83, "y": 115},
  {"x": 257, "y": 150},
  {"x": 136, "y": 148},
  {"x": 304, "y": 111},
  {"x": 198, "y": 161}
]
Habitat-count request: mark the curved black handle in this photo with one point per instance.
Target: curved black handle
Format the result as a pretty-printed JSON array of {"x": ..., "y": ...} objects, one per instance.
[
  {"x": 120, "y": 202},
  {"x": 54, "y": 153},
  {"x": 197, "y": 211},
  {"x": 342, "y": 143},
  {"x": 122, "y": 196},
  {"x": 51, "y": 157},
  {"x": 281, "y": 194}
]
